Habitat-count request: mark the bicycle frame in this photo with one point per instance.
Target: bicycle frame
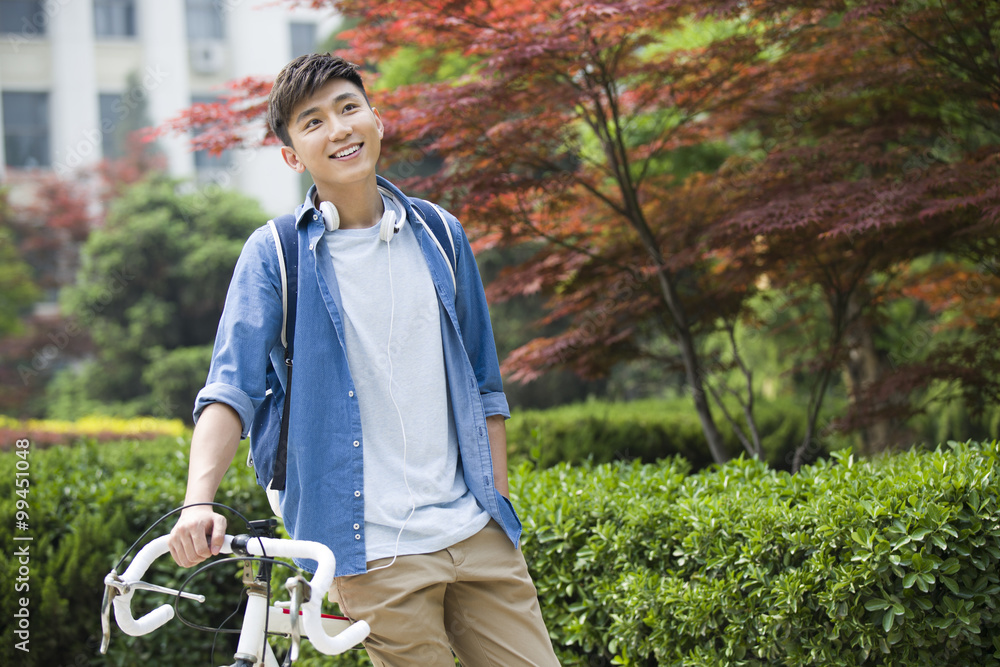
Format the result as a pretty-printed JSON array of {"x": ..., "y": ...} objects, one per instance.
[{"x": 300, "y": 616}]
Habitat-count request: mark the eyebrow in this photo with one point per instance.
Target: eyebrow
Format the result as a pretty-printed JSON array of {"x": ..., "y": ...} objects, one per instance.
[{"x": 337, "y": 100}]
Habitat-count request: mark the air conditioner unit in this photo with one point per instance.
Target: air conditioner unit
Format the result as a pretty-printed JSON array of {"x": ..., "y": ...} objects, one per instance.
[{"x": 208, "y": 56}]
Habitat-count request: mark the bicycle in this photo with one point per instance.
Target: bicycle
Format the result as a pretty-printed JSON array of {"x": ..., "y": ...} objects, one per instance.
[{"x": 300, "y": 614}]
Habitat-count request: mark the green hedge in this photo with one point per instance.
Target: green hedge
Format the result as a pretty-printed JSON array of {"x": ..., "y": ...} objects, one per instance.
[
  {"x": 646, "y": 430},
  {"x": 87, "y": 503},
  {"x": 884, "y": 562}
]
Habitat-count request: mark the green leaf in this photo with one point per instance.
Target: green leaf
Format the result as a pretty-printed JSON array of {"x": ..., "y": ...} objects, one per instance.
[
  {"x": 951, "y": 584},
  {"x": 877, "y": 603}
]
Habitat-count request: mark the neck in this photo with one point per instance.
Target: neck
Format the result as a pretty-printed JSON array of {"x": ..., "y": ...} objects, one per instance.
[{"x": 359, "y": 207}]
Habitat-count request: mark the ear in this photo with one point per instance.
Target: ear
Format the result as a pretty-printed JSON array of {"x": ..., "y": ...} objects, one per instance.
[
  {"x": 378, "y": 122},
  {"x": 291, "y": 158}
]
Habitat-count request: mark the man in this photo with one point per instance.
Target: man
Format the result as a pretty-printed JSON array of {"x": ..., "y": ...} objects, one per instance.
[{"x": 397, "y": 446}]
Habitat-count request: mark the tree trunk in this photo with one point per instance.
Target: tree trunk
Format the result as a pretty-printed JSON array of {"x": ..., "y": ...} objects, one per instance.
[
  {"x": 861, "y": 369},
  {"x": 692, "y": 370},
  {"x": 701, "y": 405}
]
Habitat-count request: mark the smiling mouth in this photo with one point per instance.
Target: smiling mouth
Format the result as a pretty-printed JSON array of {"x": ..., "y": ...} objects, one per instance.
[{"x": 347, "y": 152}]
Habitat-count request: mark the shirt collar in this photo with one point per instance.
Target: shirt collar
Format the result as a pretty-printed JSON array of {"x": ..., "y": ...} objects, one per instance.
[{"x": 306, "y": 209}]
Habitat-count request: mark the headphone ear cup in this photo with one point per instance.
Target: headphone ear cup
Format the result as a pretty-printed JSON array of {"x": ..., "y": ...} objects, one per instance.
[
  {"x": 389, "y": 227},
  {"x": 331, "y": 217}
]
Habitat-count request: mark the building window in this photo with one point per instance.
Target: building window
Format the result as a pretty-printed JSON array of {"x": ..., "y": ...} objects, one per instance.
[
  {"x": 204, "y": 19},
  {"x": 22, "y": 16},
  {"x": 303, "y": 38},
  {"x": 26, "y": 129},
  {"x": 204, "y": 160},
  {"x": 112, "y": 141},
  {"x": 114, "y": 18}
]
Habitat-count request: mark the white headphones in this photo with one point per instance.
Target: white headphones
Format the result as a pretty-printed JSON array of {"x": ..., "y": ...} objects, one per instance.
[
  {"x": 331, "y": 218},
  {"x": 389, "y": 228}
]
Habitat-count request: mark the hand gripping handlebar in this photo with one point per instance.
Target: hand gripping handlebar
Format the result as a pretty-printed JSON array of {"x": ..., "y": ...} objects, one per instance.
[{"x": 130, "y": 580}]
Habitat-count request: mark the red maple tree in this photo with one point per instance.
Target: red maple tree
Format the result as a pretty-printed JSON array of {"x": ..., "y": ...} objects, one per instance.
[
  {"x": 888, "y": 158},
  {"x": 670, "y": 159}
]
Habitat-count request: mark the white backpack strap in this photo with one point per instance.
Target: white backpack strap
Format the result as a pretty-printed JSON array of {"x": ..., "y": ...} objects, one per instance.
[
  {"x": 440, "y": 248},
  {"x": 447, "y": 229},
  {"x": 284, "y": 281},
  {"x": 284, "y": 298}
]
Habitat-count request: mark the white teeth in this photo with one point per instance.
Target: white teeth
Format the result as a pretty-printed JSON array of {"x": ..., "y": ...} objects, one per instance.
[{"x": 348, "y": 151}]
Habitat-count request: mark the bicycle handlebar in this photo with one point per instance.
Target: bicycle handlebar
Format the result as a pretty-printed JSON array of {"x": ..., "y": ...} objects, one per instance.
[
  {"x": 123, "y": 601},
  {"x": 274, "y": 548}
]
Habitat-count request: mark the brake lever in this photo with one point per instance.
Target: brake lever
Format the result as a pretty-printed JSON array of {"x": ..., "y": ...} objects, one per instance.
[
  {"x": 143, "y": 586},
  {"x": 114, "y": 586},
  {"x": 110, "y": 593}
]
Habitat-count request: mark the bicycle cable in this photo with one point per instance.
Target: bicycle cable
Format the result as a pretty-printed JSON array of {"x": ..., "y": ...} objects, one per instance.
[
  {"x": 206, "y": 566},
  {"x": 263, "y": 558},
  {"x": 175, "y": 511},
  {"x": 220, "y": 630}
]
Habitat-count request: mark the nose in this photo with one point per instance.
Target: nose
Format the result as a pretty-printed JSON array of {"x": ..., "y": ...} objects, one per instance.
[{"x": 339, "y": 130}]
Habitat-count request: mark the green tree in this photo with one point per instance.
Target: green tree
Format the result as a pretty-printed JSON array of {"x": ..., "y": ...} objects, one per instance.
[
  {"x": 150, "y": 290},
  {"x": 17, "y": 289}
]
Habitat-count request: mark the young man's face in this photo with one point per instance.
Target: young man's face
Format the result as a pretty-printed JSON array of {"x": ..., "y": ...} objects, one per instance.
[{"x": 336, "y": 135}]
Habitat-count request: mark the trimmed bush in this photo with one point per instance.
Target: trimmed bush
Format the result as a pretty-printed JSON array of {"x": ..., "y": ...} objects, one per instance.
[
  {"x": 885, "y": 562},
  {"x": 646, "y": 430},
  {"x": 87, "y": 504}
]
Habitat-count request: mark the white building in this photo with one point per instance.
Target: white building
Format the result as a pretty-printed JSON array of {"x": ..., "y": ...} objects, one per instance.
[{"x": 73, "y": 73}]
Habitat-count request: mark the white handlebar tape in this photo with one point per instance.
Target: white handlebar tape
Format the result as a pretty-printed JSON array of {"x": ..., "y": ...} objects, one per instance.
[
  {"x": 123, "y": 601},
  {"x": 274, "y": 548},
  {"x": 321, "y": 581}
]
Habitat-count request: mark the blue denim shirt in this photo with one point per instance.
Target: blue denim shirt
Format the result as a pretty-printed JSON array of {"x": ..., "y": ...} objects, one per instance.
[{"x": 324, "y": 498}]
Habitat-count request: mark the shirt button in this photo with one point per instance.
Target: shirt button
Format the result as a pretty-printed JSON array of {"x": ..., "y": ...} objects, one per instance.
[
  {"x": 356, "y": 526},
  {"x": 357, "y": 536},
  {"x": 351, "y": 393},
  {"x": 357, "y": 494},
  {"x": 357, "y": 444}
]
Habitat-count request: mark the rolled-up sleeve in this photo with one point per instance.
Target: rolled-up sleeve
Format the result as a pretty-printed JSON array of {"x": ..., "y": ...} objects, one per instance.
[
  {"x": 477, "y": 329},
  {"x": 250, "y": 327}
]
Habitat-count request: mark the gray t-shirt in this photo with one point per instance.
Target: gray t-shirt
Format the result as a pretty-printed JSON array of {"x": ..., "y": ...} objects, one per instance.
[{"x": 392, "y": 329}]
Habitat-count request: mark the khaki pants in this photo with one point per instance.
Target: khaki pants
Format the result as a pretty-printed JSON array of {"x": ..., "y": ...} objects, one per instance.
[{"x": 475, "y": 598}]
